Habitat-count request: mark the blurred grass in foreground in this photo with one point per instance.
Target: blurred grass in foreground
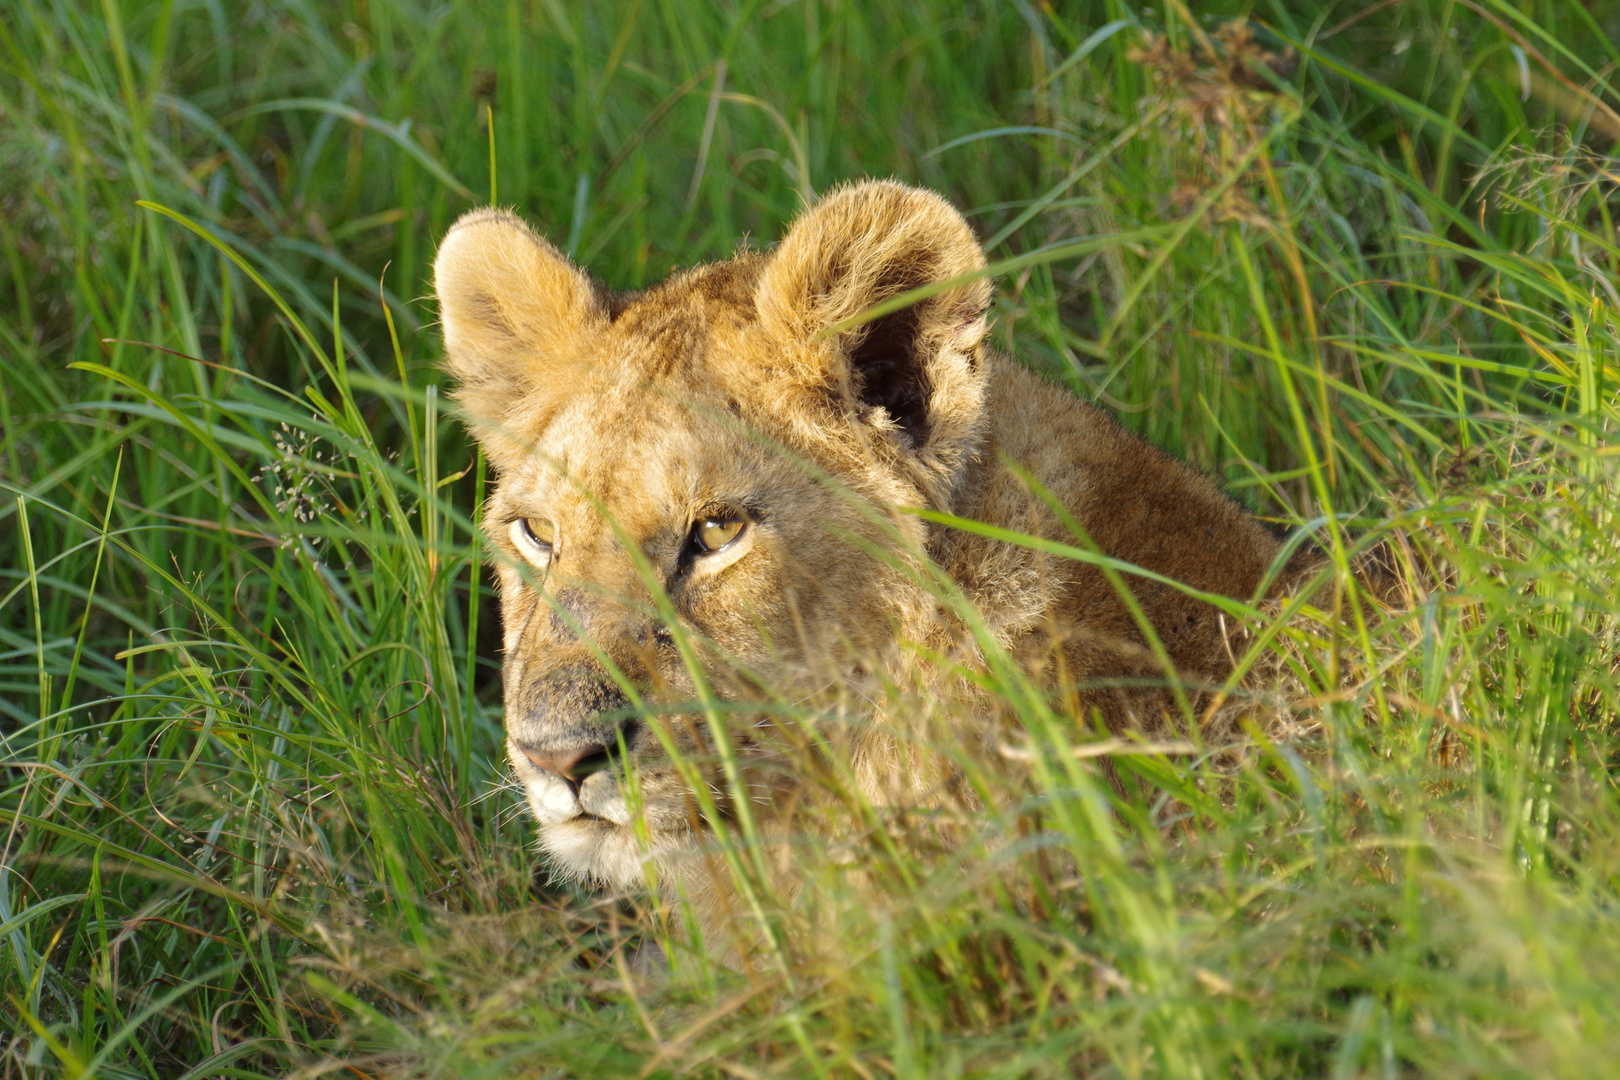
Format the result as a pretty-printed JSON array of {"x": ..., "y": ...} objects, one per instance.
[{"x": 252, "y": 813}]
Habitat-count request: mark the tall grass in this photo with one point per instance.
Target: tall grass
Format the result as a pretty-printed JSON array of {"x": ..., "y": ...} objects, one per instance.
[{"x": 253, "y": 818}]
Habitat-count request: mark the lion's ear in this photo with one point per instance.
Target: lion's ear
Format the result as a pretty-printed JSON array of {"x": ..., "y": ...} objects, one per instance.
[
  {"x": 511, "y": 305},
  {"x": 858, "y": 247}
]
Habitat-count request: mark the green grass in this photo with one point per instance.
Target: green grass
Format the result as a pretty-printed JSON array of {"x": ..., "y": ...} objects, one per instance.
[{"x": 253, "y": 818}]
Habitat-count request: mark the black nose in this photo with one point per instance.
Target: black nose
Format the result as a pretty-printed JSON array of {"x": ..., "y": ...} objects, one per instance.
[{"x": 578, "y": 762}]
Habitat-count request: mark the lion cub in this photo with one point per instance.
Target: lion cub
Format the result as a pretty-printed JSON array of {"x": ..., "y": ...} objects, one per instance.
[{"x": 714, "y": 480}]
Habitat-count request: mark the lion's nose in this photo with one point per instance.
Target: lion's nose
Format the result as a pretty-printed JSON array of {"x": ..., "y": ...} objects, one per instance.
[
  {"x": 571, "y": 764},
  {"x": 578, "y": 762}
]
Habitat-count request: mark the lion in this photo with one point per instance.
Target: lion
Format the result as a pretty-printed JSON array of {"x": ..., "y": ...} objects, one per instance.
[{"x": 730, "y": 486}]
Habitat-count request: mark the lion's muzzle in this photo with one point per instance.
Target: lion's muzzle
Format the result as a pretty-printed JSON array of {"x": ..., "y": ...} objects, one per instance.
[
  {"x": 576, "y": 763},
  {"x": 566, "y": 740},
  {"x": 569, "y": 722}
]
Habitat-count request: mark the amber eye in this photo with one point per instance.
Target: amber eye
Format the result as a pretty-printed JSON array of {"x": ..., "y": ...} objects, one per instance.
[
  {"x": 712, "y": 534},
  {"x": 533, "y": 537}
]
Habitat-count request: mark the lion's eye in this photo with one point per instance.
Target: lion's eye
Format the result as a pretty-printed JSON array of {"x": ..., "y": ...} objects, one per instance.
[
  {"x": 712, "y": 534},
  {"x": 533, "y": 537}
]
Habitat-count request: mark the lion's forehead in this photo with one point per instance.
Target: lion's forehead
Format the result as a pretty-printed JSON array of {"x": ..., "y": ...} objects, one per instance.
[
  {"x": 687, "y": 329},
  {"x": 673, "y": 410},
  {"x": 642, "y": 464},
  {"x": 722, "y": 292}
]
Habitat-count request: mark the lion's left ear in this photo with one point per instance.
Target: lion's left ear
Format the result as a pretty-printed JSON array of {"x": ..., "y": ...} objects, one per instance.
[
  {"x": 512, "y": 308},
  {"x": 922, "y": 366}
]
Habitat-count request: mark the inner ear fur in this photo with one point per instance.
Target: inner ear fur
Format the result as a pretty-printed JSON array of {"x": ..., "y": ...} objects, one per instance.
[
  {"x": 510, "y": 305},
  {"x": 860, "y": 246}
]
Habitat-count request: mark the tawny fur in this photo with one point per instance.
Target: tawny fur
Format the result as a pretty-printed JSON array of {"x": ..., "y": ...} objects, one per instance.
[{"x": 619, "y": 421}]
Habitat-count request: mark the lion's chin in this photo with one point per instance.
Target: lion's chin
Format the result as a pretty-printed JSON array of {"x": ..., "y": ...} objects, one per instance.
[
  {"x": 587, "y": 827},
  {"x": 592, "y": 849}
]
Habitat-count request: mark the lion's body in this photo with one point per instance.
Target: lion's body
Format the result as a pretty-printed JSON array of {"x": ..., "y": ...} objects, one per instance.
[{"x": 731, "y": 401}]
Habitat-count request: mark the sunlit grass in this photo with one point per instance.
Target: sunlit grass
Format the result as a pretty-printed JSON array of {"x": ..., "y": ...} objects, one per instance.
[{"x": 254, "y": 817}]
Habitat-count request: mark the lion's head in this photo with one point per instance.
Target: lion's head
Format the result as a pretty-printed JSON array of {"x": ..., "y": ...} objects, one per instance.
[{"x": 695, "y": 495}]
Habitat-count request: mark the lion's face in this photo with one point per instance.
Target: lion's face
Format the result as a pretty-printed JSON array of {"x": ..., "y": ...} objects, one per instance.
[
  {"x": 689, "y": 533},
  {"x": 695, "y": 508}
]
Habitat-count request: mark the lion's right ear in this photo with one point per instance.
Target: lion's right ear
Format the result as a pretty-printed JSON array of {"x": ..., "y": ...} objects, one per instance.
[{"x": 511, "y": 305}]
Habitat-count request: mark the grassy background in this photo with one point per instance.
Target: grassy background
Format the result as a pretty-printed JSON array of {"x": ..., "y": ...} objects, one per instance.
[{"x": 253, "y": 818}]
